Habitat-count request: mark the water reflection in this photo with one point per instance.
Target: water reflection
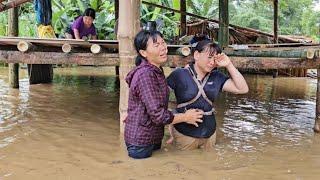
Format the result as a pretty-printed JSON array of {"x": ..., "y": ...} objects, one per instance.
[{"x": 278, "y": 112}]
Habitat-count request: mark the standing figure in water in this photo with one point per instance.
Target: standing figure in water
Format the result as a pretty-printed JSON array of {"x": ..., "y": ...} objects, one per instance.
[
  {"x": 148, "y": 98},
  {"x": 196, "y": 87}
]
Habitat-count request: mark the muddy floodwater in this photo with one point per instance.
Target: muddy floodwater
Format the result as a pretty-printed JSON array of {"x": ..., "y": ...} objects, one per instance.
[{"x": 70, "y": 130}]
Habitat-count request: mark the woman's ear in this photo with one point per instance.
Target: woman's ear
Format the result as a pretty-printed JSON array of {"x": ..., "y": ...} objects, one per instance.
[
  {"x": 143, "y": 53},
  {"x": 196, "y": 55}
]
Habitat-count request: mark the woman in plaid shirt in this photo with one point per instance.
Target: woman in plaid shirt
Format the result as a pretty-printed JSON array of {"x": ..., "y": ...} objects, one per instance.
[{"x": 148, "y": 98}]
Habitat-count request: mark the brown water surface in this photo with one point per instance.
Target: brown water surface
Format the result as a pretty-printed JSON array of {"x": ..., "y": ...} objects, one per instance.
[{"x": 70, "y": 130}]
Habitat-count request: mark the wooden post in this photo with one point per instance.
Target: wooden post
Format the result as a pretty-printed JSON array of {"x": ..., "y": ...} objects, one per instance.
[
  {"x": 116, "y": 9},
  {"x": 316, "y": 127},
  {"x": 275, "y": 21},
  {"x": 13, "y": 29},
  {"x": 117, "y": 70},
  {"x": 223, "y": 35},
  {"x": 129, "y": 25},
  {"x": 183, "y": 18}
]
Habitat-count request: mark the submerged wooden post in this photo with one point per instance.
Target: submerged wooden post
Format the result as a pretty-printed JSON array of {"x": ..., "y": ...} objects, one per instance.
[
  {"x": 275, "y": 21},
  {"x": 13, "y": 29},
  {"x": 129, "y": 25},
  {"x": 183, "y": 19},
  {"x": 223, "y": 36},
  {"x": 316, "y": 127}
]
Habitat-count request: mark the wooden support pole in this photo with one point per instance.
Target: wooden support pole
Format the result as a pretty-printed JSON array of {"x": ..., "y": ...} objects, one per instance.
[
  {"x": 316, "y": 127},
  {"x": 13, "y": 29},
  {"x": 223, "y": 35},
  {"x": 129, "y": 25},
  {"x": 117, "y": 70},
  {"x": 116, "y": 9},
  {"x": 183, "y": 18},
  {"x": 275, "y": 20}
]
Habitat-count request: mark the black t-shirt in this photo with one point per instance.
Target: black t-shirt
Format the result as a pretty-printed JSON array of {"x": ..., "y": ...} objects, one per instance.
[{"x": 185, "y": 89}]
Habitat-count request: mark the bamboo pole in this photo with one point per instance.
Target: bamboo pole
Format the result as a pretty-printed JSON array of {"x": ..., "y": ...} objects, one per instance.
[
  {"x": 223, "y": 35},
  {"x": 95, "y": 48},
  {"x": 129, "y": 25},
  {"x": 12, "y": 4},
  {"x": 184, "y": 51},
  {"x": 66, "y": 48},
  {"x": 24, "y": 46},
  {"x": 316, "y": 127},
  {"x": 13, "y": 29}
]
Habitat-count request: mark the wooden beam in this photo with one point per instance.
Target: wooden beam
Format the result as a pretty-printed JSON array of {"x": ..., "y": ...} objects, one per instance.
[
  {"x": 104, "y": 59},
  {"x": 183, "y": 18},
  {"x": 101, "y": 59},
  {"x": 216, "y": 21},
  {"x": 275, "y": 20},
  {"x": 294, "y": 53},
  {"x": 59, "y": 42},
  {"x": 223, "y": 35},
  {"x": 12, "y": 4},
  {"x": 254, "y": 62}
]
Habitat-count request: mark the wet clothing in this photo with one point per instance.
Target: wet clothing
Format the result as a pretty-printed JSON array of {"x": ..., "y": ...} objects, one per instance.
[
  {"x": 183, "y": 82},
  {"x": 148, "y": 105},
  {"x": 83, "y": 31},
  {"x": 140, "y": 152}
]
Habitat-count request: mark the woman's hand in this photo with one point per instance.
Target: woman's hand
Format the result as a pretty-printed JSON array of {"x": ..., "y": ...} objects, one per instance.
[
  {"x": 221, "y": 60},
  {"x": 193, "y": 116}
]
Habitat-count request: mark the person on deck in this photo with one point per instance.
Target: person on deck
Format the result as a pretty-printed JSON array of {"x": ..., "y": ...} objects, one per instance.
[
  {"x": 196, "y": 86},
  {"x": 83, "y": 27},
  {"x": 148, "y": 98}
]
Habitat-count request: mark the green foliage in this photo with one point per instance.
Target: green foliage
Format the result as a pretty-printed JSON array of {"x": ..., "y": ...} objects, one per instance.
[{"x": 296, "y": 17}]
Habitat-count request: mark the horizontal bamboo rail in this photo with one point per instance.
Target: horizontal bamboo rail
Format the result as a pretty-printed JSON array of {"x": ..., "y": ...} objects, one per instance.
[{"x": 112, "y": 59}]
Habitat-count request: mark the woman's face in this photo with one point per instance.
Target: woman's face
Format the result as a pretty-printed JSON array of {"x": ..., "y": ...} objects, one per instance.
[
  {"x": 156, "y": 52},
  {"x": 87, "y": 20},
  {"x": 205, "y": 60}
]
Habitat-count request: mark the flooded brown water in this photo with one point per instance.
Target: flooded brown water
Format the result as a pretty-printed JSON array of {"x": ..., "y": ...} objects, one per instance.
[{"x": 70, "y": 130}]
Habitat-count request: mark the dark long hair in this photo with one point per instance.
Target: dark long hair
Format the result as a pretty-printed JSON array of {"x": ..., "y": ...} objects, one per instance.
[
  {"x": 207, "y": 46},
  {"x": 90, "y": 12},
  {"x": 141, "y": 42}
]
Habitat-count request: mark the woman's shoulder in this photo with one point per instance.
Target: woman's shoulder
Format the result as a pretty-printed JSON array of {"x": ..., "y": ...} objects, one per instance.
[{"x": 179, "y": 70}]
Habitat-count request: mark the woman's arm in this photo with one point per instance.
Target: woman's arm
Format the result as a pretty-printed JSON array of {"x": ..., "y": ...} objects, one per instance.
[
  {"x": 236, "y": 84},
  {"x": 76, "y": 33}
]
